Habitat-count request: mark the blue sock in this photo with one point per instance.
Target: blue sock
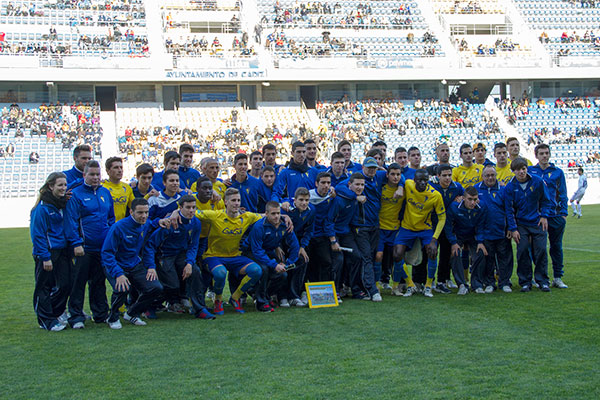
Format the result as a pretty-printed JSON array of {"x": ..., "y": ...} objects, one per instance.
[
  {"x": 377, "y": 271},
  {"x": 398, "y": 274},
  {"x": 431, "y": 268}
]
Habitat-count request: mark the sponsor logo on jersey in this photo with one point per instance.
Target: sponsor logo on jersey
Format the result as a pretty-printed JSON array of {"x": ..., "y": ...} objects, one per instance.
[{"x": 228, "y": 231}]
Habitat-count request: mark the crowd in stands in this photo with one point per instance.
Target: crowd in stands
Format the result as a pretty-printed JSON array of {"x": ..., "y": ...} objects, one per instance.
[
  {"x": 194, "y": 46},
  {"x": 584, "y": 3},
  {"x": 325, "y": 15},
  {"x": 487, "y": 50},
  {"x": 470, "y": 7},
  {"x": 278, "y": 41},
  {"x": 71, "y": 125}
]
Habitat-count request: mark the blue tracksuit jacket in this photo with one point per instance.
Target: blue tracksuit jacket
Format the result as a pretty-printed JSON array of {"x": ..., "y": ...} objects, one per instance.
[
  {"x": 249, "y": 190},
  {"x": 463, "y": 224},
  {"x": 264, "y": 238},
  {"x": 556, "y": 184},
  {"x": 47, "y": 230},
  {"x": 170, "y": 242},
  {"x": 526, "y": 206},
  {"x": 303, "y": 222},
  {"x": 494, "y": 200},
  {"x": 370, "y": 215},
  {"x": 188, "y": 176},
  {"x": 123, "y": 245}
]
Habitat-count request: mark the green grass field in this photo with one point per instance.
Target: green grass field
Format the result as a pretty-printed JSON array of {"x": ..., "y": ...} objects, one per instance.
[{"x": 535, "y": 345}]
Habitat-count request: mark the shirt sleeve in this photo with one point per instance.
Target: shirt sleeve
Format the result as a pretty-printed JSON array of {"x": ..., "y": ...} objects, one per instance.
[
  {"x": 545, "y": 203},
  {"x": 294, "y": 247},
  {"x": 329, "y": 225},
  {"x": 279, "y": 186},
  {"x": 480, "y": 228},
  {"x": 510, "y": 210},
  {"x": 109, "y": 251},
  {"x": 441, "y": 213},
  {"x": 449, "y": 226},
  {"x": 256, "y": 245},
  {"x": 192, "y": 251},
  {"x": 307, "y": 230},
  {"x": 152, "y": 246},
  {"x": 39, "y": 229},
  {"x": 562, "y": 196},
  {"x": 72, "y": 216}
]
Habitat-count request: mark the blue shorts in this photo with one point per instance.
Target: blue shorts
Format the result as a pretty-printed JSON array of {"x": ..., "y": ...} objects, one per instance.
[
  {"x": 386, "y": 238},
  {"x": 233, "y": 264},
  {"x": 407, "y": 237}
]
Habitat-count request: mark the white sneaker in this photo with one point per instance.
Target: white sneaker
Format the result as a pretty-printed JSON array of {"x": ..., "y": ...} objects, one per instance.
[
  {"x": 386, "y": 286},
  {"x": 297, "y": 303},
  {"x": 284, "y": 303},
  {"x": 58, "y": 327},
  {"x": 78, "y": 325},
  {"x": 115, "y": 325},
  {"x": 506, "y": 289},
  {"x": 558, "y": 283},
  {"x": 479, "y": 291},
  {"x": 535, "y": 284},
  {"x": 186, "y": 303},
  {"x": 489, "y": 289},
  {"x": 410, "y": 291},
  {"x": 134, "y": 320},
  {"x": 376, "y": 297},
  {"x": 450, "y": 284},
  {"x": 462, "y": 290},
  {"x": 427, "y": 292},
  {"x": 397, "y": 291},
  {"x": 63, "y": 319},
  {"x": 210, "y": 295}
]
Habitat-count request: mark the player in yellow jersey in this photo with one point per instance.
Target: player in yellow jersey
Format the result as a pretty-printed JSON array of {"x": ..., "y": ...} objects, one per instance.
[
  {"x": 121, "y": 193},
  {"x": 392, "y": 198},
  {"x": 514, "y": 148},
  {"x": 469, "y": 173},
  {"x": 421, "y": 200},
  {"x": 503, "y": 171}
]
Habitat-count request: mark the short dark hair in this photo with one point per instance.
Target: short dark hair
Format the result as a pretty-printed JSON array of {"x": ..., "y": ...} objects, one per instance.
[
  {"x": 139, "y": 201},
  {"x": 322, "y": 175},
  {"x": 167, "y": 173},
  {"x": 399, "y": 150},
  {"x": 255, "y": 153},
  {"x": 464, "y": 146},
  {"x": 499, "y": 145},
  {"x": 471, "y": 191},
  {"x": 111, "y": 160},
  {"x": 443, "y": 167},
  {"x": 413, "y": 148},
  {"x": 186, "y": 199},
  {"x": 374, "y": 152},
  {"x": 541, "y": 146},
  {"x": 230, "y": 192},
  {"x": 91, "y": 164},
  {"x": 518, "y": 163},
  {"x": 343, "y": 143},
  {"x": 271, "y": 204},
  {"x": 511, "y": 139},
  {"x": 580, "y": 169},
  {"x": 144, "y": 169},
  {"x": 394, "y": 166},
  {"x": 297, "y": 144},
  {"x": 267, "y": 168},
  {"x": 80, "y": 148},
  {"x": 238, "y": 157},
  {"x": 268, "y": 146},
  {"x": 355, "y": 176},
  {"x": 169, "y": 155},
  {"x": 201, "y": 180},
  {"x": 186, "y": 147},
  {"x": 301, "y": 191},
  {"x": 336, "y": 155},
  {"x": 379, "y": 143},
  {"x": 310, "y": 141}
]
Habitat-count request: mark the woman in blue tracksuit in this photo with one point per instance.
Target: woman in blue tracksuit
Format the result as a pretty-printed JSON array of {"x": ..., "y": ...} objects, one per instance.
[{"x": 50, "y": 252}]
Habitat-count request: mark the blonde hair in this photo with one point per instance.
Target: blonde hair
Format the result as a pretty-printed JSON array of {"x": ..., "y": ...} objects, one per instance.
[{"x": 50, "y": 181}]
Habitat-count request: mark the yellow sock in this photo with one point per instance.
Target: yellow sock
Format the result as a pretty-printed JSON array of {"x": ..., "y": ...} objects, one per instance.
[
  {"x": 408, "y": 279},
  {"x": 219, "y": 297},
  {"x": 429, "y": 282},
  {"x": 395, "y": 284},
  {"x": 238, "y": 292},
  {"x": 379, "y": 286},
  {"x": 467, "y": 274}
]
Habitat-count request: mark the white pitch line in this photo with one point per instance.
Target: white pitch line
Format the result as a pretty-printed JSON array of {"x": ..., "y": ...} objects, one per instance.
[{"x": 585, "y": 250}]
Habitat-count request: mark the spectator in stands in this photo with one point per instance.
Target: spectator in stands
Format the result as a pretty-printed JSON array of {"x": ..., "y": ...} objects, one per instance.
[
  {"x": 10, "y": 150},
  {"x": 34, "y": 157}
]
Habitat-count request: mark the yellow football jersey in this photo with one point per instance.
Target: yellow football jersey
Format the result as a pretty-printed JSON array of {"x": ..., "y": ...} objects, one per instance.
[
  {"x": 504, "y": 175},
  {"x": 122, "y": 196},
  {"x": 210, "y": 205},
  {"x": 389, "y": 218},
  {"x": 225, "y": 233},
  {"x": 420, "y": 205},
  {"x": 467, "y": 176}
]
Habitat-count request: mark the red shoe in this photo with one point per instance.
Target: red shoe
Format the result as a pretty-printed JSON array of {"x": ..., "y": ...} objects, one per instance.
[
  {"x": 237, "y": 306},
  {"x": 218, "y": 308},
  {"x": 264, "y": 308}
]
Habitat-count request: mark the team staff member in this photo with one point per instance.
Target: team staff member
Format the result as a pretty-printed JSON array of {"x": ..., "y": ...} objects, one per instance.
[
  {"x": 303, "y": 217},
  {"x": 267, "y": 235},
  {"x": 124, "y": 268},
  {"x": 392, "y": 199},
  {"x": 211, "y": 168},
  {"x": 121, "y": 193},
  {"x": 465, "y": 228},
  {"x": 187, "y": 174},
  {"x": 337, "y": 228},
  {"x": 50, "y": 253},
  {"x": 450, "y": 191},
  {"x": 143, "y": 187},
  {"x": 178, "y": 249},
  {"x": 556, "y": 184},
  {"x": 500, "y": 254},
  {"x": 89, "y": 216},
  {"x": 319, "y": 251},
  {"x": 504, "y": 173},
  {"x": 166, "y": 202},
  {"x": 247, "y": 185},
  {"x": 81, "y": 155},
  {"x": 421, "y": 200},
  {"x": 527, "y": 209},
  {"x": 294, "y": 176}
]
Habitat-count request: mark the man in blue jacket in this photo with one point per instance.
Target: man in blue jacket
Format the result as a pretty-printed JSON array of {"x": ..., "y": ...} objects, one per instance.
[
  {"x": 337, "y": 228},
  {"x": 337, "y": 171},
  {"x": 248, "y": 186},
  {"x": 267, "y": 235},
  {"x": 81, "y": 155},
  {"x": 319, "y": 252},
  {"x": 497, "y": 244},
  {"x": 294, "y": 176},
  {"x": 527, "y": 210},
  {"x": 345, "y": 147},
  {"x": 465, "y": 229},
  {"x": 89, "y": 216},
  {"x": 123, "y": 265},
  {"x": 555, "y": 181},
  {"x": 366, "y": 222},
  {"x": 178, "y": 249},
  {"x": 302, "y": 214}
]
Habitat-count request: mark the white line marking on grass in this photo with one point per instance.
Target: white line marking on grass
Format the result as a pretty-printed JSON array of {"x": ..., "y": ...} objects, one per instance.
[{"x": 585, "y": 250}]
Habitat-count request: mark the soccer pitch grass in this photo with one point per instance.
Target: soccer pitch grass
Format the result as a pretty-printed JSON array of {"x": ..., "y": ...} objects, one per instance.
[{"x": 533, "y": 345}]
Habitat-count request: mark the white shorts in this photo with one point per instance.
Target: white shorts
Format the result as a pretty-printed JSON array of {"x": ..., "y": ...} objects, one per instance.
[{"x": 578, "y": 195}]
